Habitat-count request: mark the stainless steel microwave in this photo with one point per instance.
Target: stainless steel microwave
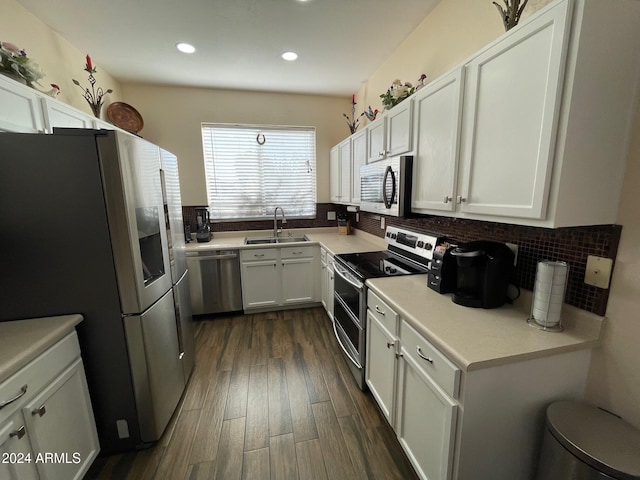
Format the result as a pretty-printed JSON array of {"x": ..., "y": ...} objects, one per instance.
[{"x": 385, "y": 186}]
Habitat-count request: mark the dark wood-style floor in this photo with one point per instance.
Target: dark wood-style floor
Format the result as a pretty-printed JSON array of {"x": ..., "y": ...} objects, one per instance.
[{"x": 271, "y": 398}]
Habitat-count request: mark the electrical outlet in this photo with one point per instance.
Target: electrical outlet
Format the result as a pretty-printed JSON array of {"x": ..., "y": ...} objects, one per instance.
[
  {"x": 331, "y": 215},
  {"x": 382, "y": 223},
  {"x": 357, "y": 217},
  {"x": 598, "y": 272}
]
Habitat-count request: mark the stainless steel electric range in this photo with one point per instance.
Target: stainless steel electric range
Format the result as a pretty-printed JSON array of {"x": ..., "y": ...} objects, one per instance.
[{"x": 407, "y": 253}]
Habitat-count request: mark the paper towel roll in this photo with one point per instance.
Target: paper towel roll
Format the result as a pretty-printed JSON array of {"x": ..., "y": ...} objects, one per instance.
[{"x": 548, "y": 293}]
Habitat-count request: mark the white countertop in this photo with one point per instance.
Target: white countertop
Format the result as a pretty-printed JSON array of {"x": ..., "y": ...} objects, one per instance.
[
  {"x": 475, "y": 338},
  {"x": 23, "y": 340},
  {"x": 328, "y": 237}
]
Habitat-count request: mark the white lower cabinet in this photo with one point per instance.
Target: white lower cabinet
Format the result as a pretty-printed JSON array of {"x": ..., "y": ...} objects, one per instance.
[
  {"x": 47, "y": 428},
  {"x": 326, "y": 281},
  {"x": 414, "y": 386},
  {"x": 426, "y": 414},
  {"x": 381, "y": 366},
  {"x": 298, "y": 284},
  {"x": 260, "y": 284},
  {"x": 15, "y": 451},
  {"x": 277, "y": 277},
  {"x": 480, "y": 424}
]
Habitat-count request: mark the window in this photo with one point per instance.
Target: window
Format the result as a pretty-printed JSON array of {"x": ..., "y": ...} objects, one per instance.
[{"x": 251, "y": 170}]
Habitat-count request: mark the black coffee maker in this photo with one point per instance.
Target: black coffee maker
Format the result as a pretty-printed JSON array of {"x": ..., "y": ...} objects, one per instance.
[
  {"x": 203, "y": 234},
  {"x": 483, "y": 273}
]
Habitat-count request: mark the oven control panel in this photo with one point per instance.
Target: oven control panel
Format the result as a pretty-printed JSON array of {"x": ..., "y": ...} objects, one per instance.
[{"x": 417, "y": 243}]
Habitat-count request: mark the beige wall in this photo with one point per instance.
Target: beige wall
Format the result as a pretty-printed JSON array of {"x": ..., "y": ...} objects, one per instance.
[
  {"x": 454, "y": 31},
  {"x": 59, "y": 60},
  {"x": 614, "y": 378},
  {"x": 173, "y": 116}
]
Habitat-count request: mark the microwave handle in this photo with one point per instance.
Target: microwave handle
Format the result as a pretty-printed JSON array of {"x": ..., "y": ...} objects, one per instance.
[{"x": 388, "y": 202}]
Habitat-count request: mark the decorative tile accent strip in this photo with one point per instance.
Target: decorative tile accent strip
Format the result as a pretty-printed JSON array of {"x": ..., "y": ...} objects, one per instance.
[{"x": 571, "y": 245}]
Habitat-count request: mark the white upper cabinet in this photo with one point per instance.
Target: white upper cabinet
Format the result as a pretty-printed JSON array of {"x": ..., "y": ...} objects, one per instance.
[
  {"x": 58, "y": 114},
  {"x": 390, "y": 134},
  {"x": 21, "y": 110},
  {"x": 344, "y": 152},
  {"x": 436, "y": 110},
  {"x": 345, "y": 160},
  {"x": 358, "y": 159},
  {"x": 544, "y": 124},
  {"x": 512, "y": 101},
  {"x": 334, "y": 174},
  {"x": 377, "y": 139}
]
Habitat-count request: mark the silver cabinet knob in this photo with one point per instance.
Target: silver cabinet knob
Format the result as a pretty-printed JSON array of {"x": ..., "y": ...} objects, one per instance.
[
  {"x": 40, "y": 411},
  {"x": 19, "y": 433}
]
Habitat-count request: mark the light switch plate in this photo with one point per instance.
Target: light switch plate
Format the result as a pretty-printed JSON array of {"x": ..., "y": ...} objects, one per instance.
[
  {"x": 331, "y": 215},
  {"x": 598, "y": 271},
  {"x": 382, "y": 223}
]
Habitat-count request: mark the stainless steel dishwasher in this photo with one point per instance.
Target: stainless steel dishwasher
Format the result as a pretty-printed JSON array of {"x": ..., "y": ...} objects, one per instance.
[{"x": 214, "y": 276}]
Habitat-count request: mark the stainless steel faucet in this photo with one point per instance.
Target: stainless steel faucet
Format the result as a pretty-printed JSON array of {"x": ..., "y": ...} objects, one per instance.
[{"x": 277, "y": 230}]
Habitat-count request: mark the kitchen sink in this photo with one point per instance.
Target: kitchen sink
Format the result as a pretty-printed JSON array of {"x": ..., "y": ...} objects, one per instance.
[
  {"x": 258, "y": 241},
  {"x": 292, "y": 239},
  {"x": 265, "y": 240}
]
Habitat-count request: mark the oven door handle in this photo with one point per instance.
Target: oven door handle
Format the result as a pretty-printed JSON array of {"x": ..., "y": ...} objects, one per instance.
[
  {"x": 346, "y": 352},
  {"x": 347, "y": 277}
]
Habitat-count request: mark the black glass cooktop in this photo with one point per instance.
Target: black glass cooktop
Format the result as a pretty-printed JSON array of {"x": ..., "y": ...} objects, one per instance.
[{"x": 379, "y": 264}]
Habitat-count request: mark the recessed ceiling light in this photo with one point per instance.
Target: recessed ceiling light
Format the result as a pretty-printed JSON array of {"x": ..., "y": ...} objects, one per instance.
[
  {"x": 289, "y": 56},
  {"x": 185, "y": 47}
]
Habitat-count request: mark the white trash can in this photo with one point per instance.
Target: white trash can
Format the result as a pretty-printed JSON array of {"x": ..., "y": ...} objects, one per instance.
[{"x": 582, "y": 442}]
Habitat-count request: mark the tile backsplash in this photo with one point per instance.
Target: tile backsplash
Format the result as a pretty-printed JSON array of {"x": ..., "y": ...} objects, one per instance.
[
  {"x": 571, "y": 245},
  {"x": 189, "y": 214}
]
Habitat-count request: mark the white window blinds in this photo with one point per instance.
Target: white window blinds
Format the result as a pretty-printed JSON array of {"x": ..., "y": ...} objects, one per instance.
[{"x": 251, "y": 170}]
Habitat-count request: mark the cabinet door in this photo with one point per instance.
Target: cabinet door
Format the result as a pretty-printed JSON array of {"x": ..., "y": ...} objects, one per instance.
[
  {"x": 260, "y": 284},
  {"x": 437, "y": 114},
  {"x": 399, "y": 132},
  {"x": 58, "y": 114},
  {"x": 17, "y": 461},
  {"x": 21, "y": 110},
  {"x": 345, "y": 171},
  {"x": 358, "y": 159},
  {"x": 334, "y": 174},
  {"x": 377, "y": 139},
  {"x": 298, "y": 284},
  {"x": 381, "y": 366},
  {"x": 512, "y": 100},
  {"x": 324, "y": 285},
  {"x": 426, "y": 420},
  {"x": 60, "y": 422}
]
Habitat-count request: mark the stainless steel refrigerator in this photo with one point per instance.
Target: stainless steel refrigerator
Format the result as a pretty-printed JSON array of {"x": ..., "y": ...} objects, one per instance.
[{"x": 83, "y": 229}]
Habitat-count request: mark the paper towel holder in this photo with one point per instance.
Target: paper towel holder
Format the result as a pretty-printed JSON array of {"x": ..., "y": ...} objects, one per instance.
[{"x": 551, "y": 281}]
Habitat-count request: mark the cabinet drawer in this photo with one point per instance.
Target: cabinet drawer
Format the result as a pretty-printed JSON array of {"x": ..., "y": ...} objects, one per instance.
[
  {"x": 434, "y": 363},
  {"x": 259, "y": 254},
  {"x": 297, "y": 252},
  {"x": 38, "y": 373},
  {"x": 382, "y": 312}
]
